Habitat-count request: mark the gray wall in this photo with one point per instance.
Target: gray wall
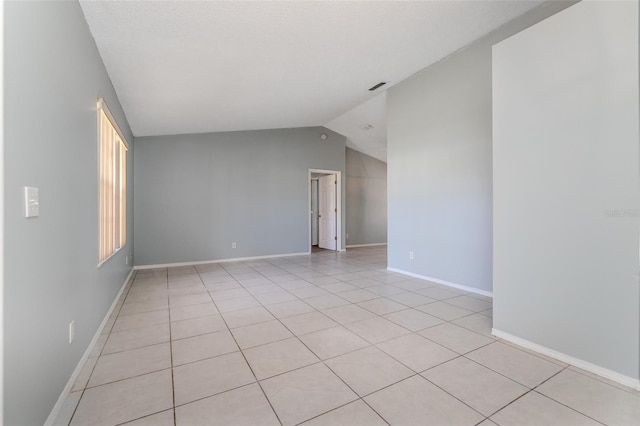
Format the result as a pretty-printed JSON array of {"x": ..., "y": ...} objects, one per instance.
[
  {"x": 53, "y": 76},
  {"x": 196, "y": 194},
  {"x": 439, "y": 164},
  {"x": 366, "y": 199},
  {"x": 566, "y": 159}
]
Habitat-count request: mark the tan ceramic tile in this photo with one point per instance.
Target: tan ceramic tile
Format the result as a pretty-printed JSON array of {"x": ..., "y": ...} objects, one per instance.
[
  {"x": 476, "y": 322},
  {"x": 305, "y": 393},
  {"x": 440, "y": 292},
  {"x": 164, "y": 418},
  {"x": 470, "y": 303},
  {"x": 136, "y": 338},
  {"x": 444, "y": 311},
  {"x": 456, "y": 338},
  {"x": 136, "y": 362},
  {"x": 306, "y": 292},
  {"x": 534, "y": 409},
  {"x": 197, "y": 326},
  {"x": 323, "y": 280},
  {"x": 279, "y": 357},
  {"x": 413, "y": 320},
  {"x": 308, "y": 323},
  {"x": 348, "y": 314},
  {"x": 143, "y": 295},
  {"x": 356, "y": 413},
  {"x": 410, "y": 299},
  {"x": 518, "y": 365},
  {"x": 377, "y": 329},
  {"x": 417, "y": 352},
  {"x": 202, "y": 347},
  {"x": 386, "y": 290},
  {"x": 338, "y": 287},
  {"x": 245, "y": 406},
  {"x": 600, "y": 401},
  {"x": 364, "y": 283},
  {"x": 251, "y": 282},
  {"x": 233, "y": 293},
  {"x": 326, "y": 301},
  {"x": 382, "y": 306},
  {"x": 141, "y": 307},
  {"x": 247, "y": 317},
  {"x": 187, "y": 291},
  {"x": 333, "y": 342},
  {"x": 264, "y": 289},
  {"x": 193, "y": 311},
  {"x": 415, "y": 401},
  {"x": 210, "y": 376},
  {"x": 125, "y": 400},
  {"x": 146, "y": 319},
  {"x": 275, "y": 297},
  {"x": 487, "y": 422},
  {"x": 224, "y": 285},
  {"x": 237, "y": 304},
  {"x": 414, "y": 285},
  {"x": 358, "y": 295},
  {"x": 288, "y": 309},
  {"x": 295, "y": 283},
  {"x": 477, "y": 386},
  {"x": 191, "y": 299},
  {"x": 368, "y": 370},
  {"x": 259, "y": 334}
]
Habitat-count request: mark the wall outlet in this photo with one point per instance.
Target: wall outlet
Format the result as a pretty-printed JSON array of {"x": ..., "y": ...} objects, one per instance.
[
  {"x": 126, "y": 260},
  {"x": 410, "y": 255},
  {"x": 31, "y": 202},
  {"x": 233, "y": 245},
  {"x": 347, "y": 236},
  {"x": 72, "y": 331}
]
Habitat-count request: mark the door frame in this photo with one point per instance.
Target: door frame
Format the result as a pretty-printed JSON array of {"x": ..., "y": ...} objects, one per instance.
[{"x": 338, "y": 175}]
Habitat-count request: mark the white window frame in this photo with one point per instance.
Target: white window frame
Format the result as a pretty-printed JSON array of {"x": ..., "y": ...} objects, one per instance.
[{"x": 112, "y": 185}]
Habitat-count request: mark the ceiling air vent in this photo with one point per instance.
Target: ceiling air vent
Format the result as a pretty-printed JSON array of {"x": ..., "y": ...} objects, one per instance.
[{"x": 382, "y": 83}]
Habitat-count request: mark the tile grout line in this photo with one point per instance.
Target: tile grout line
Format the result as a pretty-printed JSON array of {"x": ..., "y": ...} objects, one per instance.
[
  {"x": 173, "y": 383},
  {"x": 244, "y": 357},
  {"x": 535, "y": 389},
  {"x": 85, "y": 387}
]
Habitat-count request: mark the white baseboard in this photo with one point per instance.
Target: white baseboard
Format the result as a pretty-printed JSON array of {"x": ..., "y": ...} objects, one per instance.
[
  {"x": 67, "y": 389},
  {"x": 366, "y": 245},
  {"x": 443, "y": 282},
  {"x": 576, "y": 362},
  {"x": 204, "y": 262}
]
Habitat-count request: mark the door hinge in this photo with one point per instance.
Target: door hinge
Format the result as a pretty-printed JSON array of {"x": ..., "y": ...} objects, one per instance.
[
  {"x": 335, "y": 210},
  {"x": 335, "y": 238},
  {"x": 335, "y": 182}
]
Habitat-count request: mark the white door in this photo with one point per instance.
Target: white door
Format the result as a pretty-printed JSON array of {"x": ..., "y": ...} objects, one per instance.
[
  {"x": 327, "y": 208},
  {"x": 314, "y": 212}
]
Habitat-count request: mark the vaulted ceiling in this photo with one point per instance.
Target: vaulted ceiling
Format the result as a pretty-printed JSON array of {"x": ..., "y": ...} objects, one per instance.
[{"x": 212, "y": 66}]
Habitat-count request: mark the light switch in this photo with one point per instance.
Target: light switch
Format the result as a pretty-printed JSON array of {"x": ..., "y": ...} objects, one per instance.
[{"x": 31, "y": 202}]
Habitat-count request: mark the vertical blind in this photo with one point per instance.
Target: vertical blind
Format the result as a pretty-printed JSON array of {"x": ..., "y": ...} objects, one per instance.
[{"x": 112, "y": 152}]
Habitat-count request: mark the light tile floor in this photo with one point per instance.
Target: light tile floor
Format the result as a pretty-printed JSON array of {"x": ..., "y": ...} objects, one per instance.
[{"x": 325, "y": 339}]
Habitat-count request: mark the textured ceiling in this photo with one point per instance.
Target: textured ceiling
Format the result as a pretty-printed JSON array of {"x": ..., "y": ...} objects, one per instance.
[{"x": 191, "y": 67}]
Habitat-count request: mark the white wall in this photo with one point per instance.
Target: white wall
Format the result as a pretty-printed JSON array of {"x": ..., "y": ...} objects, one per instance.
[
  {"x": 439, "y": 164},
  {"x": 53, "y": 76},
  {"x": 566, "y": 159}
]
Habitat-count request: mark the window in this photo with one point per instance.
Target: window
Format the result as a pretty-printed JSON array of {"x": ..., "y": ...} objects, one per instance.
[{"x": 112, "y": 152}]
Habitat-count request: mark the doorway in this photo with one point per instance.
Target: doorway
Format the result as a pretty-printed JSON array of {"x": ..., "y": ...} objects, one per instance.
[{"x": 325, "y": 206}]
